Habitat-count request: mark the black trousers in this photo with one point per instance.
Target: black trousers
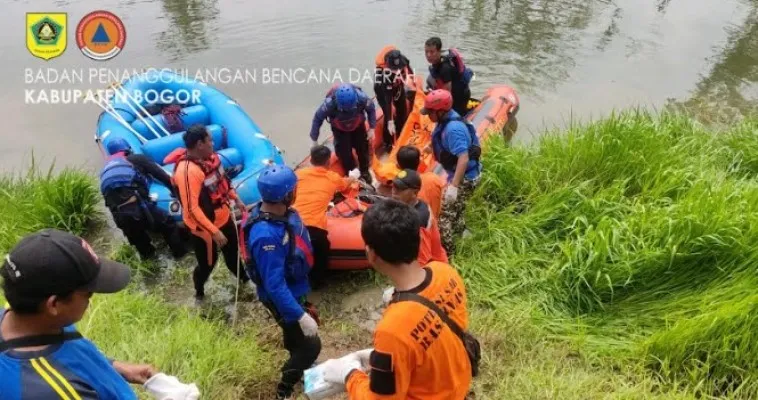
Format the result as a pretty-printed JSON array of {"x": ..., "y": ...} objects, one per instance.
[
  {"x": 321, "y": 246},
  {"x": 346, "y": 142},
  {"x": 135, "y": 222},
  {"x": 206, "y": 254},
  {"x": 461, "y": 98},
  {"x": 303, "y": 352},
  {"x": 399, "y": 101}
]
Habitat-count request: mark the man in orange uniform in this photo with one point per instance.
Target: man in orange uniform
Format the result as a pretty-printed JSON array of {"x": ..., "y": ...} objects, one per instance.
[
  {"x": 409, "y": 157},
  {"x": 205, "y": 194},
  {"x": 405, "y": 188},
  {"x": 316, "y": 187},
  {"x": 416, "y": 355}
]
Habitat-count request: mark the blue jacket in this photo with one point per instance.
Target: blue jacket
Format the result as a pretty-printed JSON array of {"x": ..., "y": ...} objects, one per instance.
[
  {"x": 456, "y": 138},
  {"x": 75, "y": 367},
  {"x": 346, "y": 121},
  {"x": 279, "y": 264}
]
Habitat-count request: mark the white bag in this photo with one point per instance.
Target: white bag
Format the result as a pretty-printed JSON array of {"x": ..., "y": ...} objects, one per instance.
[{"x": 164, "y": 387}]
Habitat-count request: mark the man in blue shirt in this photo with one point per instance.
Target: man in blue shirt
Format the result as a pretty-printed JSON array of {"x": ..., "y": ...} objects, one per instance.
[
  {"x": 346, "y": 107},
  {"x": 456, "y": 147},
  {"x": 48, "y": 279},
  {"x": 280, "y": 256}
]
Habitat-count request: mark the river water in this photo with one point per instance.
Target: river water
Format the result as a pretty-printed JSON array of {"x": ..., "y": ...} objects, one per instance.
[{"x": 567, "y": 59}]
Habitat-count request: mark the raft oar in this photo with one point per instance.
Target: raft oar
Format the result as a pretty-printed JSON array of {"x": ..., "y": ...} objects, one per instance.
[
  {"x": 119, "y": 118},
  {"x": 120, "y": 89}
]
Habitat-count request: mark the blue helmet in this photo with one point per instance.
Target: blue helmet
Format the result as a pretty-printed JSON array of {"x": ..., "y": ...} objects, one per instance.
[
  {"x": 276, "y": 182},
  {"x": 118, "y": 144},
  {"x": 346, "y": 97}
]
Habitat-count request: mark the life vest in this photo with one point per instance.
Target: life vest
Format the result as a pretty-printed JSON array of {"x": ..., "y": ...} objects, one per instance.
[
  {"x": 216, "y": 184},
  {"x": 447, "y": 159},
  {"x": 346, "y": 121},
  {"x": 119, "y": 173},
  {"x": 300, "y": 253},
  {"x": 462, "y": 72}
]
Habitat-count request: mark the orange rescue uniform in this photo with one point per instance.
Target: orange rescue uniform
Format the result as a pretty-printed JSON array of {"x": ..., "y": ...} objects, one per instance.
[
  {"x": 430, "y": 248},
  {"x": 188, "y": 179},
  {"x": 416, "y": 355},
  {"x": 431, "y": 192},
  {"x": 316, "y": 187}
]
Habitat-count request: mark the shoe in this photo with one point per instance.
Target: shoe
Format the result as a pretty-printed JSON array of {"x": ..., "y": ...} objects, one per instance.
[{"x": 199, "y": 300}]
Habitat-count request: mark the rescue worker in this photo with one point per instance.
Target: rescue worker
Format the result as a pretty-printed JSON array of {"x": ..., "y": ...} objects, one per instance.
[
  {"x": 279, "y": 257},
  {"x": 205, "y": 194},
  {"x": 393, "y": 69},
  {"x": 316, "y": 188},
  {"x": 405, "y": 188},
  {"x": 409, "y": 157},
  {"x": 49, "y": 278},
  {"x": 449, "y": 72},
  {"x": 416, "y": 354},
  {"x": 456, "y": 147},
  {"x": 346, "y": 107},
  {"x": 125, "y": 186}
]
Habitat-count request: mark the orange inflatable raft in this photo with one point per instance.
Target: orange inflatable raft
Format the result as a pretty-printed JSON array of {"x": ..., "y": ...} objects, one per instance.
[{"x": 493, "y": 113}]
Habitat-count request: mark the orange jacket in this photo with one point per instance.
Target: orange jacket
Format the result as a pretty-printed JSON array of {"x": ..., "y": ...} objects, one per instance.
[
  {"x": 431, "y": 192},
  {"x": 316, "y": 187},
  {"x": 416, "y": 356},
  {"x": 430, "y": 248},
  {"x": 189, "y": 181}
]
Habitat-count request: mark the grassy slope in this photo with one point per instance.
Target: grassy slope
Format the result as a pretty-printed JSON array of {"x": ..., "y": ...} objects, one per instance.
[
  {"x": 134, "y": 326},
  {"x": 618, "y": 259}
]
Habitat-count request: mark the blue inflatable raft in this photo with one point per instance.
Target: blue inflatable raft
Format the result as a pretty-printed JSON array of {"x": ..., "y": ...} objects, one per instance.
[{"x": 174, "y": 103}]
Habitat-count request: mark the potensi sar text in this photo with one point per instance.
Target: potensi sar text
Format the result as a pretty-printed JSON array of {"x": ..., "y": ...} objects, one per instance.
[
  {"x": 428, "y": 329},
  {"x": 78, "y": 96}
]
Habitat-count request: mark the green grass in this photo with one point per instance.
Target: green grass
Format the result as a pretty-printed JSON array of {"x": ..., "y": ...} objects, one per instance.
[
  {"x": 38, "y": 199},
  {"x": 134, "y": 326},
  {"x": 628, "y": 245}
]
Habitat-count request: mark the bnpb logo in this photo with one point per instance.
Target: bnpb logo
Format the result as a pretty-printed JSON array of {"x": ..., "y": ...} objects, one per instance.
[{"x": 101, "y": 35}]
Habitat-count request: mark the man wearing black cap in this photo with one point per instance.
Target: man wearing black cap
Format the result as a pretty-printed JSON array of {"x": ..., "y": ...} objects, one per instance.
[
  {"x": 405, "y": 188},
  {"x": 393, "y": 70},
  {"x": 48, "y": 279}
]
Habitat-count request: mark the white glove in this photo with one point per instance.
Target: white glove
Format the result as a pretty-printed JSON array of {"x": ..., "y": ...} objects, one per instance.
[
  {"x": 314, "y": 143},
  {"x": 336, "y": 371},
  {"x": 363, "y": 356},
  {"x": 371, "y": 134},
  {"x": 354, "y": 173},
  {"x": 164, "y": 387},
  {"x": 308, "y": 325},
  {"x": 451, "y": 193},
  {"x": 391, "y": 126},
  {"x": 387, "y": 295}
]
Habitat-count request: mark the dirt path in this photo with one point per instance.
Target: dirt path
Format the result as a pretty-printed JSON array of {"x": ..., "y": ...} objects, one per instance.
[{"x": 349, "y": 306}]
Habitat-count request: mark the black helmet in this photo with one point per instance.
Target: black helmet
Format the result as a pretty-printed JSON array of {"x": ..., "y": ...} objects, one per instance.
[{"x": 395, "y": 60}]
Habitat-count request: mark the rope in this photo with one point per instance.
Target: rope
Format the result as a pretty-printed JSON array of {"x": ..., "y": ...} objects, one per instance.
[{"x": 237, "y": 291}]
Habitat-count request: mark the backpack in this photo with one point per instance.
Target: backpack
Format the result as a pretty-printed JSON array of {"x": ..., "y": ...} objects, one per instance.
[
  {"x": 450, "y": 160},
  {"x": 294, "y": 241},
  {"x": 465, "y": 73}
]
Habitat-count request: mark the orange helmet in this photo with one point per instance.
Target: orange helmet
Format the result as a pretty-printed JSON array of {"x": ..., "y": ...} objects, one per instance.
[{"x": 437, "y": 100}]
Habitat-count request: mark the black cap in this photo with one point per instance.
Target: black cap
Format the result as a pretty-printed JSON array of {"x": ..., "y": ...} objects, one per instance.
[
  {"x": 395, "y": 60},
  {"x": 51, "y": 262},
  {"x": 407, "y": 179}
]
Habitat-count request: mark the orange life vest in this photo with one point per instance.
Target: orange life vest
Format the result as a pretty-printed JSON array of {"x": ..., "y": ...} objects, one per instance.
[{"x": 216, "y": 184}]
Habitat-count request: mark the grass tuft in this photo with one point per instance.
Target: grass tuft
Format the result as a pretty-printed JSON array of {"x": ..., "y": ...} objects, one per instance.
[{"x": 632, "y": 241}]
